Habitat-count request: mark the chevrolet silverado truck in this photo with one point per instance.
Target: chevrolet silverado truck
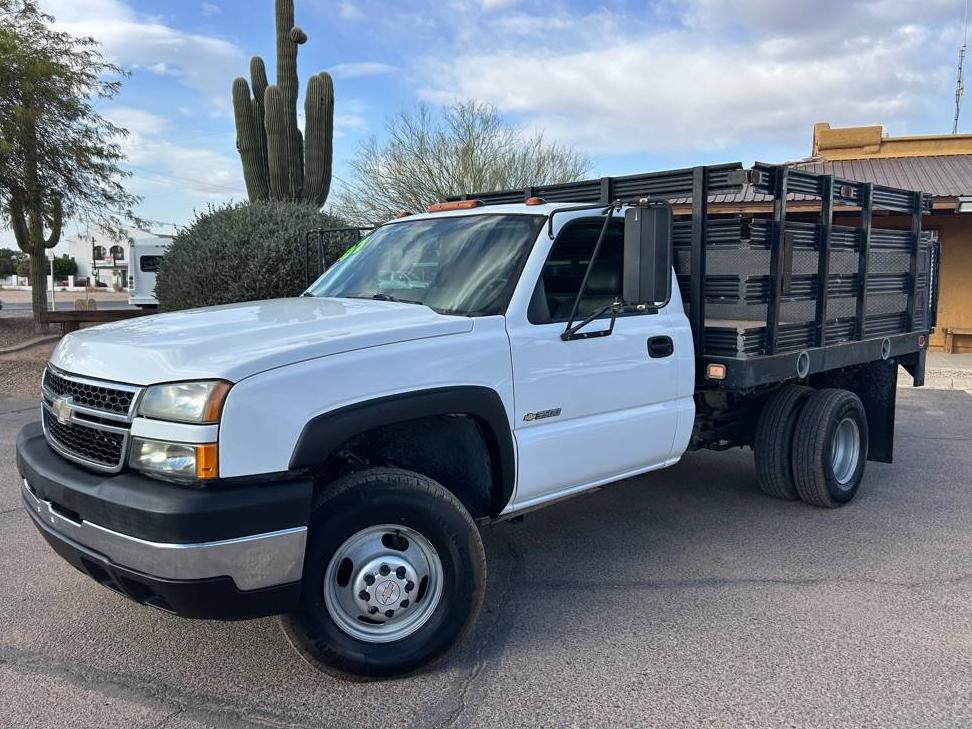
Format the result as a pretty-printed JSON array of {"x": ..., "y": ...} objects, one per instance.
[{"x": 331, "y": 458}]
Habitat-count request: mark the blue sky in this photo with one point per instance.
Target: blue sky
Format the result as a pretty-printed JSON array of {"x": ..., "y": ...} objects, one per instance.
[{"x": 636, "y": 85}]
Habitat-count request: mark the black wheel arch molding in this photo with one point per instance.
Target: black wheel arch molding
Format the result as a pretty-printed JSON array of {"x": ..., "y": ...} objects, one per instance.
[{"x": 322, "y": 436}]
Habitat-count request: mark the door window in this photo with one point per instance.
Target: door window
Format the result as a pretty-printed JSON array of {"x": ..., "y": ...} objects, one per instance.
[{"x": 564, "y": 271}]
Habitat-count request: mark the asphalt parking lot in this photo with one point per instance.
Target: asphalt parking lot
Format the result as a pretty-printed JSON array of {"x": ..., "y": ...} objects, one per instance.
[{"x": 683, "y": 598}]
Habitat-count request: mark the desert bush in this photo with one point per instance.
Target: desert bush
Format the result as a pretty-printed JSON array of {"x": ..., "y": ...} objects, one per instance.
[{"x": 239, "y": 252}]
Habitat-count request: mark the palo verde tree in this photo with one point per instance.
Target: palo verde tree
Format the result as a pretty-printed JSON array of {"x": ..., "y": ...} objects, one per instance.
[
  {"x": 58, "y": 157},
  {"x": 280, "y": 163},
  {"x": 427, "y": 156}
]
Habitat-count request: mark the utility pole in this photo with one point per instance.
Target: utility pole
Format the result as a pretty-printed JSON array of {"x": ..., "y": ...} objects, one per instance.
[{"x": 960, "y": 83}]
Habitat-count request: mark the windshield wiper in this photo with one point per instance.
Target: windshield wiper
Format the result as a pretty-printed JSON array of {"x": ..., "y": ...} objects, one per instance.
[{"x": 382, "y": 296}]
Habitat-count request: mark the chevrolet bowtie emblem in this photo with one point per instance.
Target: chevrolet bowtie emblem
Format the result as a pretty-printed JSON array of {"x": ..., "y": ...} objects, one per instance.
[{"x": 62, "y": 409}]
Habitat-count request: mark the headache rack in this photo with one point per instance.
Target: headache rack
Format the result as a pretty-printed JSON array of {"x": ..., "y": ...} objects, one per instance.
[{"x": 845, "y": 278}]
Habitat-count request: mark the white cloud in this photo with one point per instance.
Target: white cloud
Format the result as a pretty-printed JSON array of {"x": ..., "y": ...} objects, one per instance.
[
  {"x": 349, "y": 11},
  {"x": 160, "y": 162},
  {"x": 209, "y": 9},
  {"x": 205, "y": 63},
  {"x": 497, "y": 4},
  {"x": 756, "y": 71},
  {"x": 361, "y": 68}
]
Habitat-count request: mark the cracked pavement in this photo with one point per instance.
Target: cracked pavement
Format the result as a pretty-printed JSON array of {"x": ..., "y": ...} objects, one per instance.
[{"x": 682, "y": 598}]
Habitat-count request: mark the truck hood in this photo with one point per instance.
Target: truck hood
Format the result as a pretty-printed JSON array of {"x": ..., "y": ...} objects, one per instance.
[{"x": 238, "y": 340}]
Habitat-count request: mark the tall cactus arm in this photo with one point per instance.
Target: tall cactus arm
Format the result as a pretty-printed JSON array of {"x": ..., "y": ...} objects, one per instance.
[
  {"x": 277, "y": 143},
  {"x": 248, "y": 142},
  {"x": 287, "y": 82},
  {"x": 258, "y": 77},
  {"x": 286, "y": 50},
  {"x": 18, "y": 222},
  {"x": 259, "y": 120},
  {"x": 318, "y": 143},
  {"x": 54, "y": 220}
]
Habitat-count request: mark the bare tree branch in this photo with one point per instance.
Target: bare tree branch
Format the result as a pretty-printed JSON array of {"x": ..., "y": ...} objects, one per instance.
[{"x": 427, "y": 157}]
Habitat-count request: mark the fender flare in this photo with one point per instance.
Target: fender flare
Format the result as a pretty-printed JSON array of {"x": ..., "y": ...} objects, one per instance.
[{"x": 324, "y": 433}]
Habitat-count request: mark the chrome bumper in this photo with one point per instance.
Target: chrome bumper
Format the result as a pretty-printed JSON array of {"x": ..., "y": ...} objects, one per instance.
[{"x": 253, "y": 562}]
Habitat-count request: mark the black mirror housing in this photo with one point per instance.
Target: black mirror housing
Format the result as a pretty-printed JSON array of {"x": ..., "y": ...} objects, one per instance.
[{"x": 647, "y": 276}]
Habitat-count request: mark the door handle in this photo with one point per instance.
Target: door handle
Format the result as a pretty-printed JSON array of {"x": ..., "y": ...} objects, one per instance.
[{"x": 660, "y": 347}]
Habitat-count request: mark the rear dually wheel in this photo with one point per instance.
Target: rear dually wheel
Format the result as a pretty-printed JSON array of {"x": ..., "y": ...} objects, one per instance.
[{"x": 830, "y": 448}]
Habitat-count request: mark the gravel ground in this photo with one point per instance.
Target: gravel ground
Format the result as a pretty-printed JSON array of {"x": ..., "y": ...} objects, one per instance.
[
  {"x": 21, "y": 378},
  {"x": 15, "y": 329},
  {"x": 20, "y": 371}
]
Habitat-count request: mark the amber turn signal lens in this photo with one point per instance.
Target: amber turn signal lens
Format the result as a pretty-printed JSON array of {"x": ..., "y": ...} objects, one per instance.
[
  {"x": 207, "y": 465},
  {"x": 214, "y": 403}
]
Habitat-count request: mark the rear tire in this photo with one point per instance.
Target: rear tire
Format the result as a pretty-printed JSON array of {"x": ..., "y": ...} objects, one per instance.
[
  {"x": 773, "y": 442},
  {"x": 830, "y": 448},
  {"x": 386, "y": 542}
]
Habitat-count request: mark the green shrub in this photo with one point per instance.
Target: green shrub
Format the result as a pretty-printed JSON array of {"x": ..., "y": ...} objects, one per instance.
[
  {"x": 239, "y": 252},
  {"x": 9, "y": 260},
  {"x": 64, "y": 266}
]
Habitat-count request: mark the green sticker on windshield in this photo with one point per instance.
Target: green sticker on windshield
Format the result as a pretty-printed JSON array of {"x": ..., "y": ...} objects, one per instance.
[{"x": 355, "y": 248}]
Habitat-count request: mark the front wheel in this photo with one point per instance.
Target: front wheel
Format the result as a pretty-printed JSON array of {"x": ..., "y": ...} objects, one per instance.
[{"x": 394, "y": 575}]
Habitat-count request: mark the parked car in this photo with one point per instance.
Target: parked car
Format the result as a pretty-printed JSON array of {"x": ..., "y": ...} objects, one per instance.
[{"x": 330, "y": 458}]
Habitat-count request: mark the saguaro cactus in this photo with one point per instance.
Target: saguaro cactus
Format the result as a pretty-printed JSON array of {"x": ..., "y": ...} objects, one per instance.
[{"x": 278, "y": 162}]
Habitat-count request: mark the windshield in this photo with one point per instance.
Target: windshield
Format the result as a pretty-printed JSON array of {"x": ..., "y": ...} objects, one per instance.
[{"x": 458, "y": 265}]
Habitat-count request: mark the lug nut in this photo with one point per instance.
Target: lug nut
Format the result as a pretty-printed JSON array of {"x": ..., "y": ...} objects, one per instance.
[
  {"x": 400, "y": 573},
  {"x": 404, "y": 604},
  {"x": 384, "y": 569},
  {"x": 364, "y": 595},
  {"x": 372, "y": 610},
  {"x": 409, "y": 586},
  {"x": 389, "y": 613},
  {"x": 369, "y": 579}
]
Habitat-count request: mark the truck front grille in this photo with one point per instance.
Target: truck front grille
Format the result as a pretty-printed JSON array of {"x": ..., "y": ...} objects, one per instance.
[
  {"x": 85, "y": 443},
  {"x": 89, "y": 394},
  {"x": 86, "y": 420}
]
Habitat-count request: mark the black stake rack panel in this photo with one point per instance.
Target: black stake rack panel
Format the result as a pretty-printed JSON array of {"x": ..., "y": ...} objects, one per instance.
[{"x": 766, "y": 290}]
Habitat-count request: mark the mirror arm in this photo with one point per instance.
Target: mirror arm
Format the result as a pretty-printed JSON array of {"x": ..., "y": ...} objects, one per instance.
[
  {"x": 571, "y": 329},
  {"x": 573, "y": 332}
]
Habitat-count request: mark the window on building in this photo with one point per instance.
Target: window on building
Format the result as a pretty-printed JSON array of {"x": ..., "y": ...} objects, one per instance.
[
  {"x": 117, "y": 253},
  {"x": 100, "y": 253}
]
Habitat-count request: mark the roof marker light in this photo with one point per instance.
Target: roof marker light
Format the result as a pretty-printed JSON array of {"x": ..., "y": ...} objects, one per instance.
[
  {"x": 441, "y": 207},
  {"x": 535, "y": 201}
]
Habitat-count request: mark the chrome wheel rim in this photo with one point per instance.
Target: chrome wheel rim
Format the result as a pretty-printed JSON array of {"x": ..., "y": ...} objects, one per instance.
[
  {"x": 383, "y": 583},
  {"x": 845, "y": 451}
]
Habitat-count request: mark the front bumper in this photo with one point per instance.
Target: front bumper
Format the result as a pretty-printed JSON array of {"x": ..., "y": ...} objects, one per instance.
[{"x": 227, "y": 553}]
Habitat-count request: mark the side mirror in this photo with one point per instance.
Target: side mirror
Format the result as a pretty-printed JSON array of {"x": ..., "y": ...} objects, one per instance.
[{"x": 647, "y": 276}]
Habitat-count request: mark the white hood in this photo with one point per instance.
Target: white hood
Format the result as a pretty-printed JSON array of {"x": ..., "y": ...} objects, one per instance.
[{"x": 238, "y": 340}]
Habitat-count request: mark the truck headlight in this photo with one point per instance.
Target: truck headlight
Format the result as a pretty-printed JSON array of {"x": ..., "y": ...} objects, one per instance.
[
  {"x": 179, "y": 461},
  {"x": 185, "y": 402}
]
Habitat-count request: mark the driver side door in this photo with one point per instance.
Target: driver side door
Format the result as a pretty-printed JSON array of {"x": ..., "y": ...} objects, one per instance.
[{"x": 589, "y": 411}]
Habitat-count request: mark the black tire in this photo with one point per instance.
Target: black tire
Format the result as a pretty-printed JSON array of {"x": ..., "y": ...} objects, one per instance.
[
  {"x": 377, "y": 496},
  {"x": 773, "y": 441},
  {"x": 814, "y": 447}
]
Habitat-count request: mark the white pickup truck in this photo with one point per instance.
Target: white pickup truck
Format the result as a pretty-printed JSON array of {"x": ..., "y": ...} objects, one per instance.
[{"x": 330, "y": 458}]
